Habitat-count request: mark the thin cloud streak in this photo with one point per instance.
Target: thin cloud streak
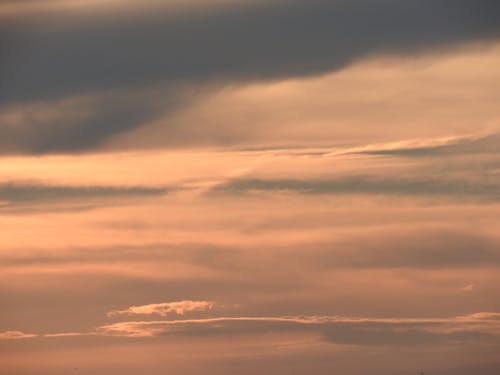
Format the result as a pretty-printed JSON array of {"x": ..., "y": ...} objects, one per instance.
[
  {"x": 487, "y": 144},
  {"x": 335, "y": 329},
  {"x": 16, "y": 335},
  {"x": 32, "y": 193},
  {"x": 165, "y": 308},
  {"x": 452, "y": 188}
]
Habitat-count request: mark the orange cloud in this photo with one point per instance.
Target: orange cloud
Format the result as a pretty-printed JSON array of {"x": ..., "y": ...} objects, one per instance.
[
  {"x": 163, "y": 309},
  {"x": 15, "y": 335}
]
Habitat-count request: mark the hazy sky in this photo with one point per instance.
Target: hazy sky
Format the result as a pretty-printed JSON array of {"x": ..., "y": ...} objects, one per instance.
[{"x": 246, "y": 186}]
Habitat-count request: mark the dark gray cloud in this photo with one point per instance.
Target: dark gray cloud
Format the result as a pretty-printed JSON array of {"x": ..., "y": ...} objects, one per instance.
[
  {"x": 66, "y": 134},
  {"x": 437, "y": 187},
  {"x": 15, "y": 193},
  {"x": 83, "y": 122},
  {"x": 53, "y": 55},
  {"x": 271, "y": 40}
]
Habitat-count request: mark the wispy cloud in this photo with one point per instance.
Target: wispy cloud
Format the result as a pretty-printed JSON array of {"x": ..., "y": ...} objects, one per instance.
[
  {"x": 337, "y": 329},
  {"x": 482, "y": 326},
  {"x": 165, "y": 308},
  {"x": 458, "y": 145},
  {"x": 13, "y": 194},
  {"x": 15, "y": 335},
  {"x": 425, "y": 186},
  {"x": 69, "y": 334},
  {"x": 468, "y": 287}
]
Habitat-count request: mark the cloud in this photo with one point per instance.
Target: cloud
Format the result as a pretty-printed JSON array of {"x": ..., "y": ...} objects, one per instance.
[
  {"x": 165, "y": 308},
  {"x": 337, "y": 329},
  {"x": 460, "y": 172},
  {"x": 488, "y": 144},
  {"x": 423, "y": 249},
  {"x": 481, "y": 327},
  {"x": 254, "y": 40},
  {"x": 468, "y": 287},
  {"x": 18, "y": 193},
  {"x": 430, "y": 247},
  {"x": 81, "y": 122},
  {"x": 15, "y": 335},
  {"x": 69, "y": 334},
  {"x": 55, "y": 55},
  {"x": 425, "y": 186}
]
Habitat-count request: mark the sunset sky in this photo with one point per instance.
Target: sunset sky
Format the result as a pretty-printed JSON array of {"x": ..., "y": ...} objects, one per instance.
[{"x": 249, "y": 187}]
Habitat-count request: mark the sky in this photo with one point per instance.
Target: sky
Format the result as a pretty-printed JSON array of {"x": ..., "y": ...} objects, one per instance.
[{"x": 247, "y": 186}]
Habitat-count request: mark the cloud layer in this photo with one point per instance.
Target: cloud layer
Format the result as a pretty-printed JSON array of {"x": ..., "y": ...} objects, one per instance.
[
  {"x": 327, "y": 171},
  {"x": 111, "y": 56},
  {"x": 29, "y": 195},
  {"x": 341, "y": 330},
  {"x": 261, "y": 40},
  {"x": 477, "y": 327}
]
